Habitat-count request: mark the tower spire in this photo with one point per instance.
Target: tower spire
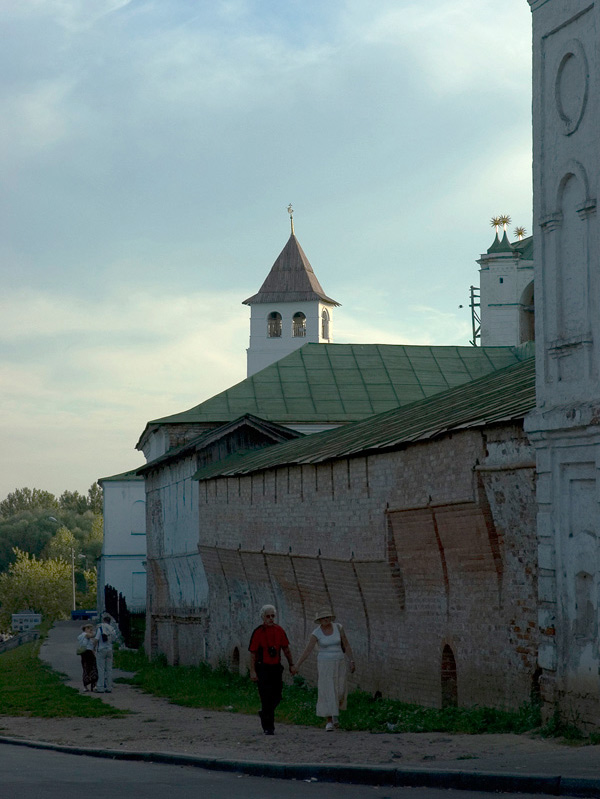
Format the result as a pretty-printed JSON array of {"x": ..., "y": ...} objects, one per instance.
[{"x": 290, "y": 211}]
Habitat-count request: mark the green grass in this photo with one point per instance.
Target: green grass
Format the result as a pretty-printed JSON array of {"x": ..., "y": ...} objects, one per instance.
[
  {"x": 29, "y": 687},
  {"x": 220, "y": 689}
]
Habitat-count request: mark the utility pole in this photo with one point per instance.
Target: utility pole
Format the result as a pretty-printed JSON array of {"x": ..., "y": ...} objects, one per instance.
[{"x": 73, "y": 576}]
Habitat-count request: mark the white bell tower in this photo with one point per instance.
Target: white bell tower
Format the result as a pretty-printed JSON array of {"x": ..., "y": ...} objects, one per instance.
[{"x": 289, "y": 310}]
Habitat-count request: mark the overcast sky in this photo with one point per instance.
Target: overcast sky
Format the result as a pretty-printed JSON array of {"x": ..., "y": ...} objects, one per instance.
[{"x": 149, "y": 149}]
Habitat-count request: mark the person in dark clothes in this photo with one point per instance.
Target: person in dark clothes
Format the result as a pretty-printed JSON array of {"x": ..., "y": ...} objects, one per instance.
[
  {"x": 267, "y": 643},
  {"x": 87, "y": 651}
]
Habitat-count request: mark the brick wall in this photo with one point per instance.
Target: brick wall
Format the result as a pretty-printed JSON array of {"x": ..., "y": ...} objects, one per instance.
[{"x": 422, "y": 551}]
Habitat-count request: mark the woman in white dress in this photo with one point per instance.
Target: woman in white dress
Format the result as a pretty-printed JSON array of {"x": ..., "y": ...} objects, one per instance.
[{"x": 333, "y": 649}]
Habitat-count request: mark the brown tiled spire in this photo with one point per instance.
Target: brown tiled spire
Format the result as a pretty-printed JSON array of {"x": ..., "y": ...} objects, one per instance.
[{"x": 291, "y": 279}]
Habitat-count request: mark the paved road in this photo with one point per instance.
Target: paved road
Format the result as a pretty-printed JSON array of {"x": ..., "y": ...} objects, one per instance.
[{"x": 39, "y": 774}]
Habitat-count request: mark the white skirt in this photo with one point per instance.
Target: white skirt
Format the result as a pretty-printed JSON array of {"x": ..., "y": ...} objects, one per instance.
[{"x": 332, "y": 686}]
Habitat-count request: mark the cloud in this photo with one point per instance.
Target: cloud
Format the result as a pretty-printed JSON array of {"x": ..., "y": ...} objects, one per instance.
[
  {"x": 449, "y": 42},
  {"x": 149, "y": 150}
]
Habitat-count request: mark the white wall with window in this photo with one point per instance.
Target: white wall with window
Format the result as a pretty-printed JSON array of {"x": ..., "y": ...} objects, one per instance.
[{"x": 122, "y": 562}]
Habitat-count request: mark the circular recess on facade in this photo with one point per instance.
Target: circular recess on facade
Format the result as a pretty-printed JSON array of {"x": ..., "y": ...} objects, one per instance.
[{"x": 571, "y": 87}]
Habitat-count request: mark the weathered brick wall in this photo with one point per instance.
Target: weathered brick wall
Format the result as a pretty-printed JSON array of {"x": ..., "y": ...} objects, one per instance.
[
  {"x": 420, "y": 551},
  {"x": 176, "y": 585}
]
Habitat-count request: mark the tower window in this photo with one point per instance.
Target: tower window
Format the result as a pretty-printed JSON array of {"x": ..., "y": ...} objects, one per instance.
[
  {"x": 325, "y": 324},
  {"x": 299, "y": 325},
  {"x": 274, "y": 325}
]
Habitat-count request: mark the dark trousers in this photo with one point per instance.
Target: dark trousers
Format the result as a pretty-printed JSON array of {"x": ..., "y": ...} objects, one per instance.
[{"x": 270, "y": 684}]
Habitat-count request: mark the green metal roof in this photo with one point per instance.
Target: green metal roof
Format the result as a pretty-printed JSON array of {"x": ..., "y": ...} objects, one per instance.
[
  {"x": 525, "y": 247},
  {"x": 339, "y": 383},
  {"x": 500, "y": 245},
  {"x": 131, "y": 475},
  {"x": 501, "y": 396}
]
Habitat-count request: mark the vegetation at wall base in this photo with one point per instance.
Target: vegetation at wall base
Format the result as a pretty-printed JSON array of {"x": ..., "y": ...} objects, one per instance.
[
  {"x": 221, "y": 689},
  {"x": 29, "y": 687}
]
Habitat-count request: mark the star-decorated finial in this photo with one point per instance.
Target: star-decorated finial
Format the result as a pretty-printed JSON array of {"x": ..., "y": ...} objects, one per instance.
[{"x": 495, "y": 222}]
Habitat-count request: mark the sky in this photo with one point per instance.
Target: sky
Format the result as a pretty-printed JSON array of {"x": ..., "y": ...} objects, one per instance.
[{"x": 149, "y": 150}]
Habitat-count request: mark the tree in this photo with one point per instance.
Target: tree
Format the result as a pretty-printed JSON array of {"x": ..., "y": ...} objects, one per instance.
[
  {"x": 30, "y": 518},
  {"x": 42, "y": 586},
  {"x": 22, "y": 499},
  {"x": 92, "y": 541},
  {"x": 30, "y": 530},
  {"x": 95, "y": 499},
  {"x": 62, "y": 545},
  {"x": 73, "y": 501}
]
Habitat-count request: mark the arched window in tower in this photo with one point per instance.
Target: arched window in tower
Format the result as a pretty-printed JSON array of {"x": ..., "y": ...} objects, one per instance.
[
  {"x": 299, "y": 325},
  {"x": 325, "y": 324},
  {"x": 274, "y": 325}
]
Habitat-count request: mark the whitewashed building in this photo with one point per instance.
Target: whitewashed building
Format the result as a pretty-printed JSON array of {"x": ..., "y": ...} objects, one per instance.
[
  {"x": 565, "y": 428},
  {"x": 122, "y": 563},
  {"x": 506, "y": 293}
]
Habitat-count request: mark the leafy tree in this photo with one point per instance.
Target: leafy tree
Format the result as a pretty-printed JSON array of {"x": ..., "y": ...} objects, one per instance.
[
  {"x": 92, "y": 541},
  {"x": 43, "y": 586},
  {"x": 30, "y": 518},
  {"x": 73, "y": 501},
  {"x": 95, "y": 499},
  {"x": 63, "y": 545},
  {"x": 22, "y": 499},
  {"x": 86, "y": 583},
  {"x": 30, "y": 530}
]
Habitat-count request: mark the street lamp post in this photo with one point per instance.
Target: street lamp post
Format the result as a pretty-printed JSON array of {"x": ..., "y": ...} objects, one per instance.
[{"x": 73, "y": 576}]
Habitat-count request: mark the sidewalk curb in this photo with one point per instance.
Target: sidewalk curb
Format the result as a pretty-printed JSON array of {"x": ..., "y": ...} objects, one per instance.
[{"x": 554, "y": 785}]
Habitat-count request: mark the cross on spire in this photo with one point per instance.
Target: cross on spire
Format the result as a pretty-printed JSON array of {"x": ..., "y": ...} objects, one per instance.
[{"x": 290, "y": 211}]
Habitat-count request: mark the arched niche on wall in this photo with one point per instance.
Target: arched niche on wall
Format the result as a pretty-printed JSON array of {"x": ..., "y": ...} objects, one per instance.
[
  {"x": 527, "y": 315},
  {"x": 449, "y": 678},
  {"x": 138, "y": 517},
  {"x": 572, "y": 268}
]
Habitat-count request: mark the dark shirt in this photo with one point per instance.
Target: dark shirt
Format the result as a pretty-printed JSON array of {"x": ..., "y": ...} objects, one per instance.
[{"x": 272, "y": 636}]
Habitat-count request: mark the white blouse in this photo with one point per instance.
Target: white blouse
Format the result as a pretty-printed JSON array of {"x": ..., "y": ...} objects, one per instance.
[{"x": 330, "y": 646}]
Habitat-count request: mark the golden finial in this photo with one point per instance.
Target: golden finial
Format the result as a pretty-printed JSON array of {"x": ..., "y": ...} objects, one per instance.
[
  {"x": 290, "y": 211},
  {"x": 504, "y": 221},
  {"x": 495, "y": 222},
  {"x": 520, "y": 233}
]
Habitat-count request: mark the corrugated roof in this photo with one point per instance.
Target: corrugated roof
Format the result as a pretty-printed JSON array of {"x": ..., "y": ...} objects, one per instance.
[
  {"x": 291, "y": 279},
  {"x": 505, "y": 395},
  {"x": 339, "y": 383},
  {"x": 525, "y": 247},
  {"x": 131, "y": 475}
]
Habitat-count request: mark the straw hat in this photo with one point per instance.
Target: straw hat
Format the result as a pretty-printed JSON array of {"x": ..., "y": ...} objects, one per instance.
[{"x": 325, "y": 613}]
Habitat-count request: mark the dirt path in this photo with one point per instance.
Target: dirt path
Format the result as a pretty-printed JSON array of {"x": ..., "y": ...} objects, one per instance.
[{"x": 158, "y": 726}]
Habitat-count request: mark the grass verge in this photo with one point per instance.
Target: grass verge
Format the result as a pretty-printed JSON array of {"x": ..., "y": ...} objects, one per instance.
[
  {"x": 29, "y": 687},
  {"x": 220, "y": 689}
]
